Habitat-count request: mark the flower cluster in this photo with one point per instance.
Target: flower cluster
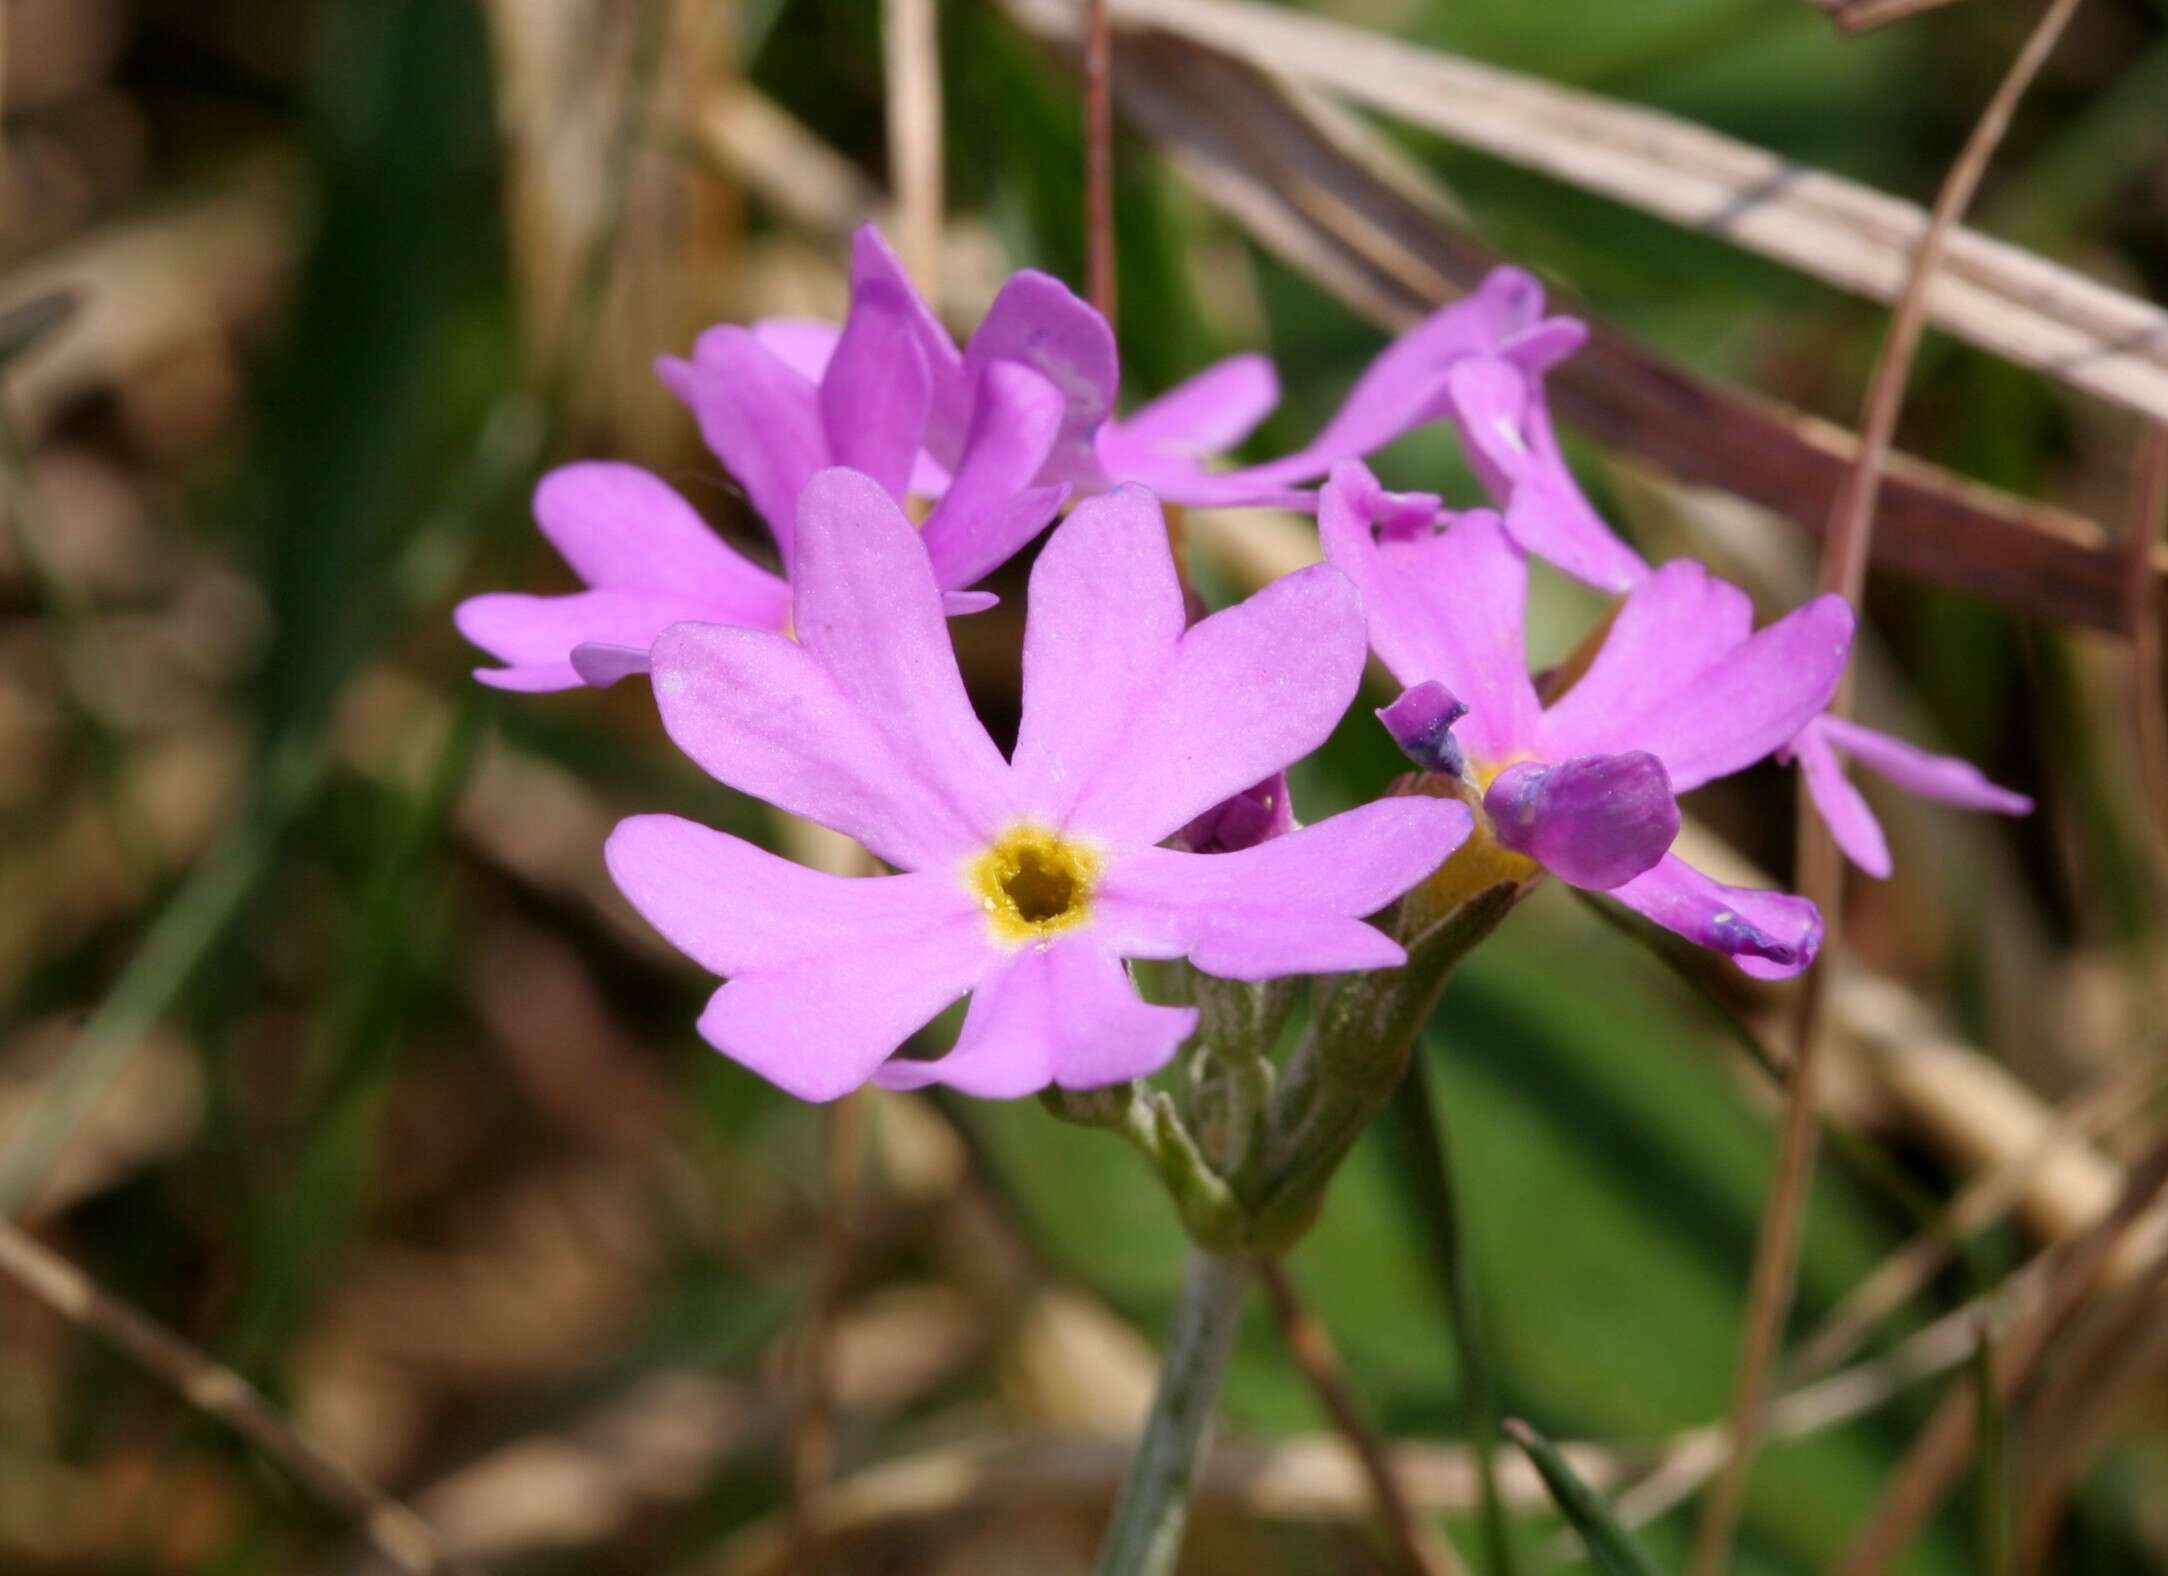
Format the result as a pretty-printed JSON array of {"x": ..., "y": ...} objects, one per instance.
[{"x": 1143, "y": 811}]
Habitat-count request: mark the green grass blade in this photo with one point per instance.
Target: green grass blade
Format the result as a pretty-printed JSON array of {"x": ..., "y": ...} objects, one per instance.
[
  {"x": 1420, "y": 1128},
  {"x": 1610, "y": 1545}
]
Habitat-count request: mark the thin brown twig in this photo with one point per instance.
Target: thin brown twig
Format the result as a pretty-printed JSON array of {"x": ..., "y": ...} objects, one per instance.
[
  {"x": 392, "y": 1528},
  {"x": 1099, "y": 158},
  {"x": 2149, "y": 707},
  {"x": 812, "y": 1433},
  {"x": 2108, "y": 1371},
  {"x": 1943, "y": 1447},
  {"x": 1821, "y": 870},
  {"x": 1983, "y": 1201},
  {"x": 911, "y": 46},
  {"x": 1420, "y": 1547}
]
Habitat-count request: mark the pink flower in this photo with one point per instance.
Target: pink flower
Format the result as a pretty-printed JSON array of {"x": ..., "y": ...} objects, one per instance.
[
  {"x": 880, "y": 398},
  {"x": 1023, "y": 881},
  {"x": 1172, "y": 443},
  {"x": 1497, "y": 402},
  {"x": 1683, "y": 691}
]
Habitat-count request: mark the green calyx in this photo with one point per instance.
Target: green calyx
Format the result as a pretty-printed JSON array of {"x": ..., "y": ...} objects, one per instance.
[{"x": 1246, "y": 1143}]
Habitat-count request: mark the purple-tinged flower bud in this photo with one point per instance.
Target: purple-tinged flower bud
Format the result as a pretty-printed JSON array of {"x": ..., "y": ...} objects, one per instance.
[
  {"x": 1421, "y": 723},
  {"x": 1595, "y": 821},
  {"x": 1256, "y": 815}
]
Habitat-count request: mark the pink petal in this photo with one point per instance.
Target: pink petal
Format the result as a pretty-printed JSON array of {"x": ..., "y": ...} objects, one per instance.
[
  {"x": 1290, "y": 905},
  {"x": 990, "y": 509},
  {"x": 1839, "y": 804},
  {"x": 1943, "y": 778},
  {"x": 1405, "y": 387},
  {"x": 601, "y": 664},
  {"x": 1039, "y": 321},
  {"x": 1445, "y": 606},
  {"x": 1752, "y": 702},
  {"x": 618, "y": 525},
  {"x": 1064, "y": 1013},
  {"x": 762, "y": 420},
  {"x": 872, "y": 260},
  {"x": 827, "y": 975},
  {"x": 1770, "y": 935},
  {"x": 1595, "y": 821},
  {"x": 534, "y": 635},
  {"x": 1207, "y": 415},
  {"x": 1131, "y": 726},
  {"x": 1104, "y": 620},
  {"x": 862, "y": 723},
  {"x": 877, "y": 391},
  {"x": 1673, "y": 628},
  {"x": 1675, "y": 679},
  {"x": 1507, "y": 433},
  {"x": 802, "y": 344}
]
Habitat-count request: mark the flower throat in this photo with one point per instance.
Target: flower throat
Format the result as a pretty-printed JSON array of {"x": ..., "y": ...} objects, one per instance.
[{"x": 1033, "y": 883}]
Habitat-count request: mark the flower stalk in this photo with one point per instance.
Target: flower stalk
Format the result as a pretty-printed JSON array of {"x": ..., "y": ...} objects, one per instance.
[{"x": 1145, "y": 1536}]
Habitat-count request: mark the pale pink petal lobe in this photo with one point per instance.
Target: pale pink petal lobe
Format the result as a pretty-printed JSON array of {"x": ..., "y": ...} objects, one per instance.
[
  {"x": 1064, "y": 1013},
  {"x": 868, "y": 611},
  {"x": 534, "y": 636},
  {"x": 1290, "y": 905},
  {"x": 1943, "y": 778},
  {"x": 877, "y": 390},
  {"x": 1446, "y": 606},
  {"x": 762, "y": 420},
  {"x": 827, "y": 975},
  {"x": 1251, "y": 689},
  {"x": 1039, "y": 321},
  {"x": 1768, "y": 934},
  {"x": 1672, "y": 629},
  {"x": 990, "y": 509},
  {"x": 1105, "y": 615},
  {"x": 872, "y": 261},
  {"x": 1751, "y": 703},
  {"x": 1207, "y": 415},
  {"x": 1841, "y": 806}
]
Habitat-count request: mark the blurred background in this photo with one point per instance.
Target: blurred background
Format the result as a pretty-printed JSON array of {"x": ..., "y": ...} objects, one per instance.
[{"x": 326, "y": 1045}]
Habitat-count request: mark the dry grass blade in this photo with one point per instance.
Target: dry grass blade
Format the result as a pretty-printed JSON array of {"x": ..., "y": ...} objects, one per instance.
[
  {"x": 1422, "y": 1549},
  {"x": 2110, "y": 1366},
  {"x": 911, "y": 44},
  {"x": 812, "y": 1434},
  {"x": 1331, "y": 198},
  {"x": 1303, "y": 1479},
  {"x": 1821, "y": 872},
  {"x": 2149, "y": 705},
  {"x": 395, "y": 1531},
  {"x": 1099, "y": 157},
  {"x": 1989, "y": 1196},
  {"x": 1942, "y": 1449},
  {"x": 1993, "y": 295}
]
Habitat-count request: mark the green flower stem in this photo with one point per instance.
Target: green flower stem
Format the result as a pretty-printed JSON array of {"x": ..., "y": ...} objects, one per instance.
[{"x": 1145, "y": 1536}]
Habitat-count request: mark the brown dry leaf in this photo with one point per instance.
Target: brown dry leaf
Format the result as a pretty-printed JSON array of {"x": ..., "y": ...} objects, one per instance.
[
  {"x": 564, "y": 70},
  {"x": 162, "y": 300},
  {"x": 151, "y": 1112},
  {"x": 1999, "y": 297},
  {"x": 1324, "y": 192}
]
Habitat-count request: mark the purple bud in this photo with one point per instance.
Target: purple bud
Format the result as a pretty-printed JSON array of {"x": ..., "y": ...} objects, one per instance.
[
  {"x": 1421, "y": 723},
  {"x": 1256, "y": 815},
  {"x": 1595, "y": 821}
]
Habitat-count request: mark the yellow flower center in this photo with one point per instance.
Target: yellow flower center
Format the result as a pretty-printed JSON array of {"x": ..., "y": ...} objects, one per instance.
[{"x": 1033, "y": 883}]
